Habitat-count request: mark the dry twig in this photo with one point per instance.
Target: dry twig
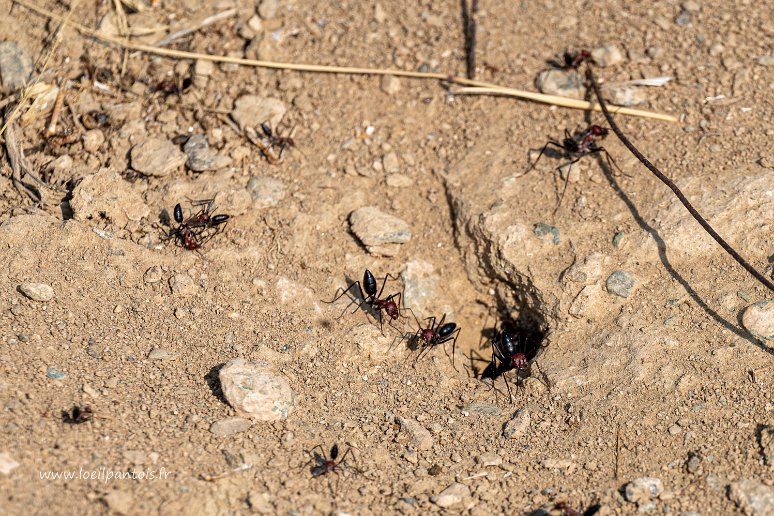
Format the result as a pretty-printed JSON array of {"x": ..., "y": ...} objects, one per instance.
[{"x": 196, "y": 26}]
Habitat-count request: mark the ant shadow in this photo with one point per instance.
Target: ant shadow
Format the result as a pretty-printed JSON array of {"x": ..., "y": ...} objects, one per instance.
[
  {"x": 213, "y": 382},
  {"x": 662, "y": 253}
]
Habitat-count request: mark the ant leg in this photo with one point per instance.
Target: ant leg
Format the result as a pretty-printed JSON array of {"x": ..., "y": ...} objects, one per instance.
[
  {"x": 545, "y": 380},
  {"x": 454, "y": 347},
  {"x": 353, "y": 301},
  {"x": 545, "y": 147},
  {"x": 612, "y": 163},
  {"x": 384, "y": 283},
  {"x": 507, "y": 386},
  {"x": 566, "y": 182}
]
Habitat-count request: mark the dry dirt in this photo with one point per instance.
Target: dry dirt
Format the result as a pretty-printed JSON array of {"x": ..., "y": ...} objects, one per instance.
[{"x": 667, "y": 374}]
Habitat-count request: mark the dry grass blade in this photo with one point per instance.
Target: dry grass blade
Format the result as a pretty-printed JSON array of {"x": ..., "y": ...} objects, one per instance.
[{"x": 178, "y": 54}]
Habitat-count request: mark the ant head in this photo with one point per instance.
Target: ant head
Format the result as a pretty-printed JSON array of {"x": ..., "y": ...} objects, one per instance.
[
  {"x": 178, "y": 212},
  {"x": 392, "y": 309},
  {"x": 519, "y": 361},
  {"x": 427, "y": 335},
  {"x": 598, "y": 130}
]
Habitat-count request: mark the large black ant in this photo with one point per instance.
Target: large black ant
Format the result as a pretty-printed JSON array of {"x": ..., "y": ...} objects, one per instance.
[
  {"x": 324, "y": 465},
  {"x": 576, "y": 146},
  {"x": 436, "y": 335},
  {"x": 389, "y": 305},
  {"x": 270, "y": 142},
  {"x": 514, "y": 349},
  {"x": 200, "y": 227},
  {"x": 77, "y": 415}
]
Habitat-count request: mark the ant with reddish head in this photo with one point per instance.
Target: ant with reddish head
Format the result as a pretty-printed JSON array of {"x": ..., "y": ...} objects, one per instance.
[
  {"x": 514, "y": 349},
  {"x": 435, "y": 335},
  {"x": 200, "y": 227},
  {"x": 576, "y": 146},
  {"x": 390, "y": 305},
  {"x": 324, "y": 465}
]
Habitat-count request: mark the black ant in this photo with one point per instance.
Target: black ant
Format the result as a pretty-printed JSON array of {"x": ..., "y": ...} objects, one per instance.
[
  {"x": 435, "y": 335},
  {"x": 77, "y": 415},
  {"x": 576, "y": 146},
  {"x": 571, "y": 60},
  {"x": 324, "y": 465},
  {"x": 200, "y": 227},
  {"x": 373, "y": 299},
  {"x": 513, "y": 349},
  {"x": 270, "y": 141}
]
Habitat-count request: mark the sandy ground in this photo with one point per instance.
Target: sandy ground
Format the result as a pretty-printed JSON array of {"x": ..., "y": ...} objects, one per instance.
[{"x": 663, "y": 383}]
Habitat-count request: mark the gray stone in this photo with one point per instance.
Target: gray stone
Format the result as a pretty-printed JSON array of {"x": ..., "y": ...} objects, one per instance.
[
  {"x": 379, "y": 232},
  {"x": 201, "y": 157},
  {"x": 419, "y": 282},
  {"x": 547, "y": 233},
  {"x": 253, "y": 110},
  {"x": 7, "y": 464},
  {"x": 156, "y": 157},
  {"x": 182, "y": 285},
  {"x": 452, "y": 495},
  {"x": 565, "y": 83},
  {"x": 766, "y": 60},
  {"x": 390, "y": 84},
  {"x": 758, "y": 319},
  {"x": 37, "y": 291},
  {"x": 265, "y": 191},
  {"x": 485, "y": 409},
  {"x": 55, "y": 374},
  {"x": 161, "y": 354},
  {"x": 517, "y": 426},
  {"x": 641, "y": 490},
  {"x": 620, "y": 283},
  {"x": 608, "y": 55},
  {"x": 683, "y": 19},
  {"x": 624, "y": 95},
  {"x": 255, "y": 391},
  {"x": 420, "y": 436},
  {"x": 230, "y": 426},
  {"x": 15, "y": 66},
  {"x": 752, "y": 497}
]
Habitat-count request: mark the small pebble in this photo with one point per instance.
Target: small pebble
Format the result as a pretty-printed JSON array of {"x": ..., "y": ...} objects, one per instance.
[
  {"x": 518, "y": 424},
  {"x": 379, "y": 232},
  {"x": 489, "y": 459},
  {"x": 619, "y": 239},
  {"x": 565, "y": 83},
  {"x": 7, "y": 464},
  {"x": 255, "y": 391},
  {"x": 420, "y": 286},
  {"x": 255, "y": 24},
  {"x": 399, "y": 181},
  {"x": 182, "y": 285},
  {"x": 420, "y": 436},
  {"x": 260, "y": 502},
  {"x": 390, "y": 163},
  {"x": 716, "y": 49},
  {"x": 485, "y": 409},
  {"x": 201, "y": 157},
  {"x": 156, "y": 157},
  {"x": 752, "y": 497},
  {"x": 152, "y": 275},
  {"x": 452, "y": 495},
  {"x": 620, "y": 283},
  {"x": 15, "y": 66},
  {"x": 390, "y": 84},
  {"x": 120, "y": 502},
  {"x": 683, "y": 19},
  {"x": 547, "y": 233},
  {"x": 766, "y": 61},
  {"x": 37, "y": 291},
  {"x": 641, "y": 490},
  {"x": 93, "y": 140},
  {"x": 265, "y": 191},
  {"x": 161, "y": 354},
  {"x": 758, "y": 319},
  {"x": 253, "y": 110},
  {"x": 204, "y": 68},
  {"x": 623, "y": 95},
  {"x": 268, "y": 9},
  {"x": 230, "y": 426},
  {"x": 609, "y": 55},
  {"x": 691, "y": 5},
  {"x": 693, "y": 463},
  {"x": 54, "y": 374}
]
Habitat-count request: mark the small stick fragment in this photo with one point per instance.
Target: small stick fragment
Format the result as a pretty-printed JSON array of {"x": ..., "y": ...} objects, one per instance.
[
  {"x": 228, "y": 13},
  {"x": 213, "y": 478},
  {"x": 672, "y": 186},
  {"x": 55, "y": 113}
]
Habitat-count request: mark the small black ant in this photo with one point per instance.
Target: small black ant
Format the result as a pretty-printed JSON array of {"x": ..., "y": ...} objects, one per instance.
[
  {"x": 514, "y": 349},
  {"x": 324, "y": 465},
  {"x": 436, "y": 335},
  {"x": 388, "y": 305},
  {"x": 200, "y": 227},
  {"x": 571, "y": 60},
  {"x": 272, "y": 141},
  {"x": 576, "y": 146},
  {"x": 77, "y": 415}
]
